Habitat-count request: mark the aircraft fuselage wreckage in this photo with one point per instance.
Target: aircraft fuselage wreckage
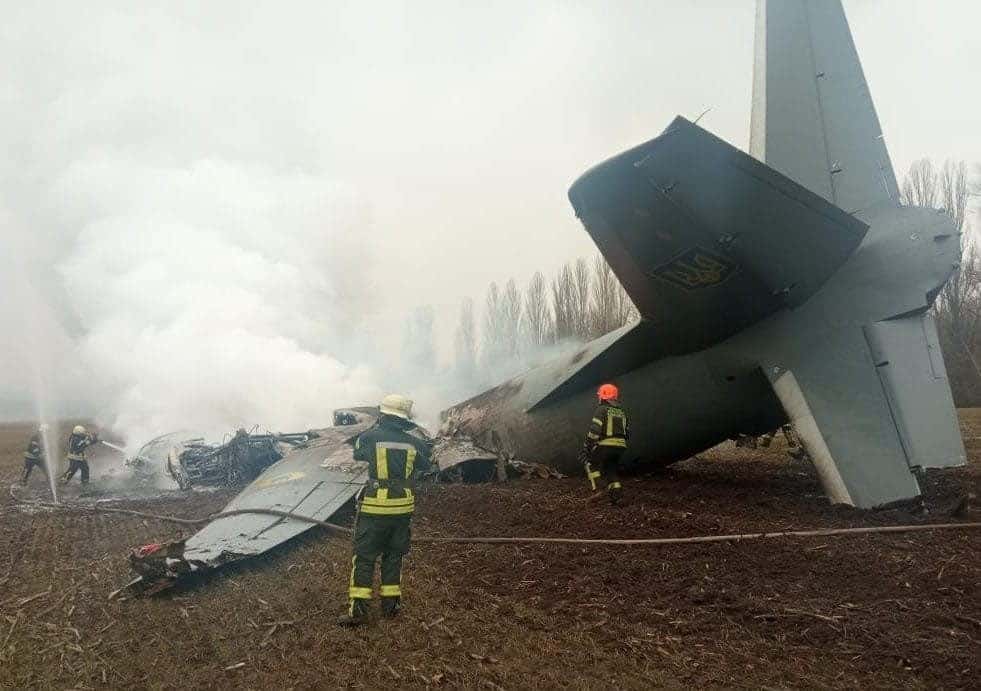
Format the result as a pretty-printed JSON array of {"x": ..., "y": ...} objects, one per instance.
[
  {"x": 790, "y": 284},
  {"x": 786, "y": 285}
]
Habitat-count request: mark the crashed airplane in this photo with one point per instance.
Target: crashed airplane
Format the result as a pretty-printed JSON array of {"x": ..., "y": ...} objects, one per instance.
[
  {"x": 790, "y": 284},
  {"x": 786, "y": 285}
]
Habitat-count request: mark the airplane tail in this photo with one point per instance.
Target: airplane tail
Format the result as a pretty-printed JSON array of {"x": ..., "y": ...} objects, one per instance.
[
  {"x": 813, "y": 118},
  {"x": 709, "y": 241},
  {"x": 766, "y": 264}
]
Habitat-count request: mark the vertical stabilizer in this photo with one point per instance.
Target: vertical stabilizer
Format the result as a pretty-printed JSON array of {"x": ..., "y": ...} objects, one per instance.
[{"x": 813, "y": 118}]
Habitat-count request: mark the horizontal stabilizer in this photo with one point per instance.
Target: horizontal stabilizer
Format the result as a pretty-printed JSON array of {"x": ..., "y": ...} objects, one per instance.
[
  {"x": 706, "y": 239},
  {"x": 871, "y": 405}
]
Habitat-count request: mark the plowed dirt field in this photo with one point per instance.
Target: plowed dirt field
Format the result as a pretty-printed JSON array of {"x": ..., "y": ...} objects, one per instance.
[{"x": 865, "y": 611}]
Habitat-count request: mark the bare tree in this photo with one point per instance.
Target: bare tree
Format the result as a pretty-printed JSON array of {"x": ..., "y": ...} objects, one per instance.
[
  {"x": 921, "y": 187},
  {"x": 580, "y": 300},
  {"x": 953, "y": 194},
  {"x": 537, "y": 323},
  {"x": 493, "y": 349},
  {"x": 611, "y": 307},
  {"x": 511, "y": 319},
  {"x": 563, "y": 304},
  {"x": 630, "y": 309},
  {"x": 465, "y": 342}
]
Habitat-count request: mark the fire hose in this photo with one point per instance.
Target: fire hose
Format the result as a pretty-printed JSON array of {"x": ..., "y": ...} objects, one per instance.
[{"x": 735, "y": 537}]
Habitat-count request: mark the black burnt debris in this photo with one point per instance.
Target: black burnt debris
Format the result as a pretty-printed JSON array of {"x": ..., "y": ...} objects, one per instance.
[{"x": 234, "y": 463}]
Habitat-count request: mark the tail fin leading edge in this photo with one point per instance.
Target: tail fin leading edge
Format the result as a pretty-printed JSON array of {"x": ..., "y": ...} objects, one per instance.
[{"x": 813, "y": 118}]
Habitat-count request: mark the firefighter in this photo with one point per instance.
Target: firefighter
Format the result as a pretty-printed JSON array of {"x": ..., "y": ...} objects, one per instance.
[
  {"x": 35, "y": 455},
  {"x": 606, "y": 441},
  {"x": 385, "y": 513},
  {"x": 78, "y": 442}
]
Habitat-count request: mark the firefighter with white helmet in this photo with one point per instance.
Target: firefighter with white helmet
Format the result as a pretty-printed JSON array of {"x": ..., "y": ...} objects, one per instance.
[
  {"x": 382, "y": 529},
  {"x": 78, "y": 442}
]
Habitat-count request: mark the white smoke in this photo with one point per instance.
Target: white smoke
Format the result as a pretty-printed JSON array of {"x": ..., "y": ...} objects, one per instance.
[
  {"x": 183, "y": 259},
  {"x": 209, "y": 199},
  {"x": 208, "y": 294}
]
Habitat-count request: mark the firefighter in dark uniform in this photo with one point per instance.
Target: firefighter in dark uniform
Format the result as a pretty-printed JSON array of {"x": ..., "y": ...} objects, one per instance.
[
  {"x": 606, "y": 441},
  {"x": 34, "y": 455},
  {"x": 78, "y": 442},
  {"x": 385, "y": 514}
]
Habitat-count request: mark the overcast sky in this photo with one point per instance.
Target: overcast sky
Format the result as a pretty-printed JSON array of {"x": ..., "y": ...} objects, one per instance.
[{"x": 433, "y": 142}]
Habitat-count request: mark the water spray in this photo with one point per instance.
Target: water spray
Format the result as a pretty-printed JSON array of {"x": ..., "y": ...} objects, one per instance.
[
  {"x": 47, "y": 453},
  {"x": 112, "y": 446},
  {"x": 130, "y": 460}
]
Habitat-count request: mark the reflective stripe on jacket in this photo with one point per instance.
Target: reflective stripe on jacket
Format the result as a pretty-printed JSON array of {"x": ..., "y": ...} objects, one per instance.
[
  {"x": 608, "y": 427},
  {"x": 393, "y": 455},
  {"x": 77, "y": 443}
]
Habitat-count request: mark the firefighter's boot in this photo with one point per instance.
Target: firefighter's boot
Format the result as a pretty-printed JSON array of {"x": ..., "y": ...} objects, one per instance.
[
  {"x": 615, "y": 492},
  {"x": 391, "y": 606},
  {"x": 357, "y": 614}
]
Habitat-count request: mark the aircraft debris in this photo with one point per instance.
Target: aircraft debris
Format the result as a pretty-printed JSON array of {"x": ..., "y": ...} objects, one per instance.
[
  {"x": 315, "y": 479},
  {"x": 315, "y": 476},
  {"x": 460, "y": 458},
  {"x": 234, "y": 463},
  {"x": 136, "y": 461}
]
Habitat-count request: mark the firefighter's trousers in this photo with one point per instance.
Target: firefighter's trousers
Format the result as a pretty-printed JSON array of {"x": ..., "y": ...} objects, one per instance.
[
  {"x": 606, "y": 461},
  {"x": 75, "y": 465},
  {"x": 378, "y": 536},
  {"x": 29, "y": 464}
]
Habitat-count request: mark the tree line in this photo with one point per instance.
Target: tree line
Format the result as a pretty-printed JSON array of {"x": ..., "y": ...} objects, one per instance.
[{"x": 518, "y": 327}]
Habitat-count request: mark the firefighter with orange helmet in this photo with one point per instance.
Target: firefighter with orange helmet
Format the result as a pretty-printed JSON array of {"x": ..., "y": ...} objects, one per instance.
[{"x": 606, "y": 441}]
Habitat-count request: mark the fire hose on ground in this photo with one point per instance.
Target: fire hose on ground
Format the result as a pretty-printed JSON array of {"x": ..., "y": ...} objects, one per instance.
[{"x": 735, "y": 537}]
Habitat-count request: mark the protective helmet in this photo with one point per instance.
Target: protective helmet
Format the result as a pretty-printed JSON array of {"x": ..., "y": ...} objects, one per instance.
[
  {"x": 399, "y": 406},
  {"x": 43, "y": 427},
  {"x": 608, "y": 392},
  {"x": 78, "y": 429}
]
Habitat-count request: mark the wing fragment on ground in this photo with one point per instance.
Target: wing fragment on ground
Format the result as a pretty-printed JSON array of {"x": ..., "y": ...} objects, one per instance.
[
  {"x": 315, "y": 480},
  {"x": 299, "y": 483}
]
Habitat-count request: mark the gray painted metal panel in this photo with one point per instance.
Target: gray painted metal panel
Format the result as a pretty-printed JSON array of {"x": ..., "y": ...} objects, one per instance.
[
  {"x": 298, "y": 483},
  {"x": 707, "y": 240},
  {"x": 838, "y": 379},
  {"x": 813, "y": 117},
  {"x": 690, "y": 375},
  {"x": 794, "y": 401},
  {"x": 909, "y": 362}
]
